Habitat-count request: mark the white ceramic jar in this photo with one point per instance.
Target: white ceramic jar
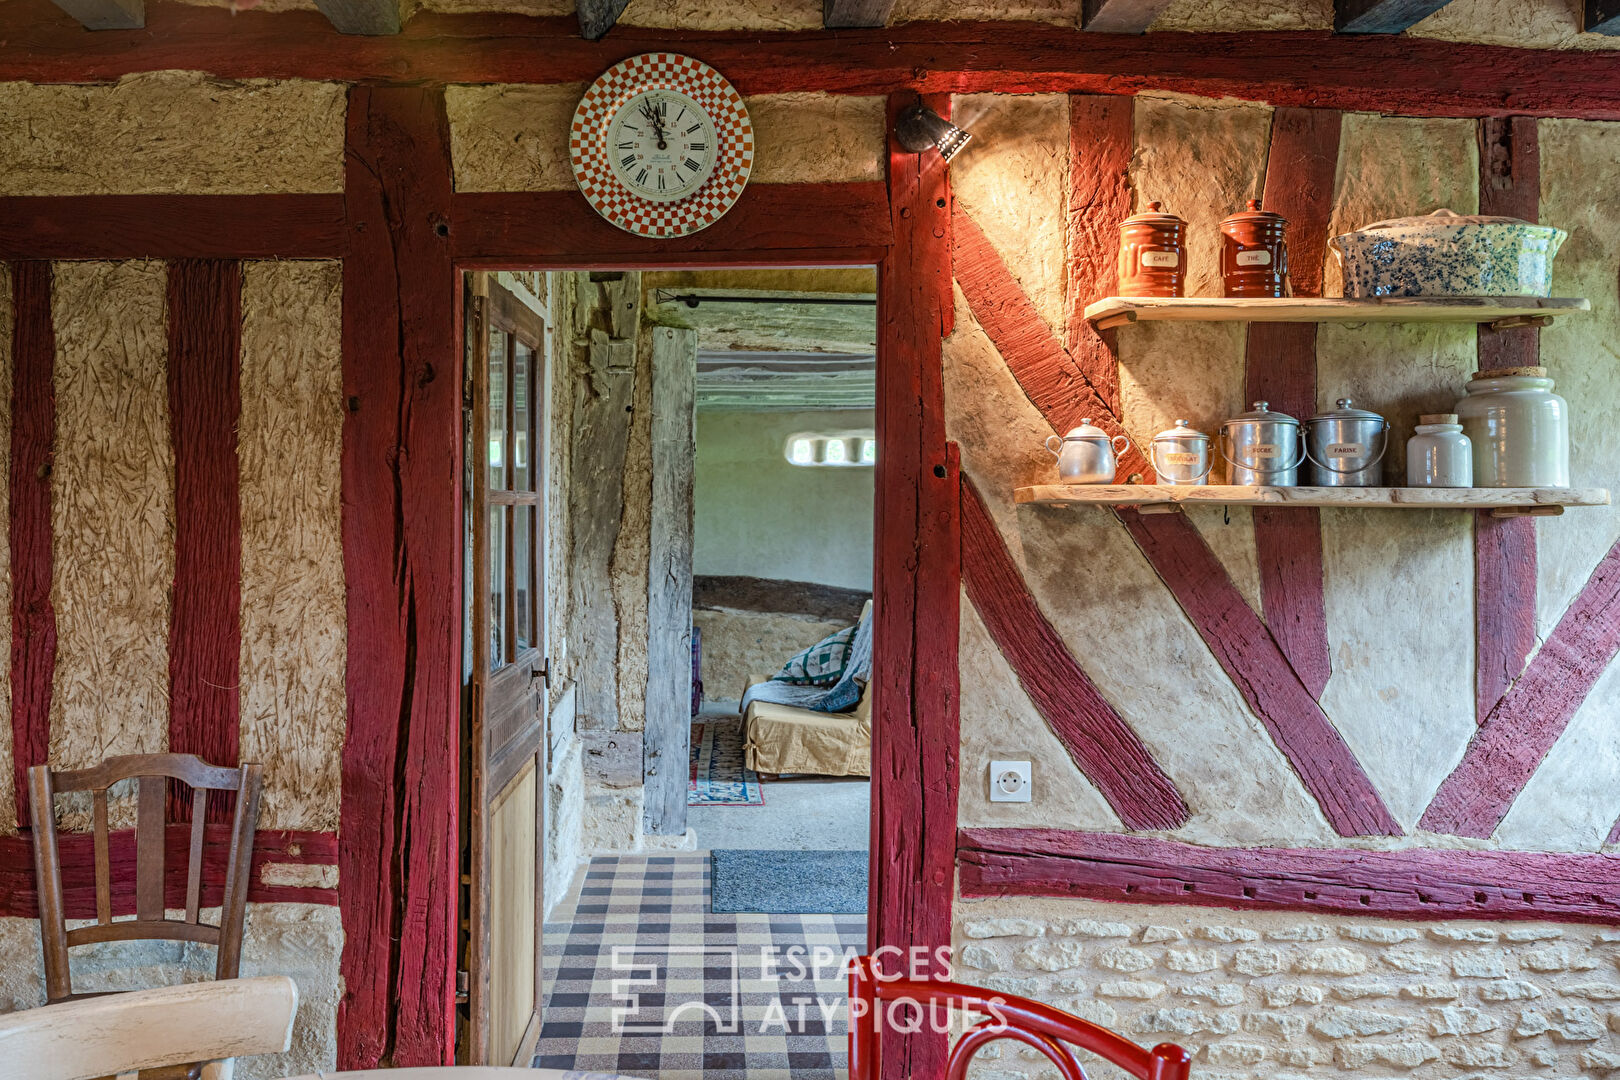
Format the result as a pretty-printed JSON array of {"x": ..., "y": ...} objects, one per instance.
[
  {"x": 1518, "y": 427},
  {"x": 1439, "y": 455}
]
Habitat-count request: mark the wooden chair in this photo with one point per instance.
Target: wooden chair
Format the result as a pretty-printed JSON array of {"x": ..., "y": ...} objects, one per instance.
[
  {"x": 152, "y": 773},
  {"x": 118, "y": 1034},
  {"x": 872, "y": 995}
]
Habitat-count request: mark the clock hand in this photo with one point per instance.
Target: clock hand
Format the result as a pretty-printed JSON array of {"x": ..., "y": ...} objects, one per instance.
[{"x": 657, "y": 123}]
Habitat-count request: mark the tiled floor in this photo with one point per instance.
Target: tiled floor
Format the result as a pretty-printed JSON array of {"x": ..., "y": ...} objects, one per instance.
[{"x": 698, "y": 996}]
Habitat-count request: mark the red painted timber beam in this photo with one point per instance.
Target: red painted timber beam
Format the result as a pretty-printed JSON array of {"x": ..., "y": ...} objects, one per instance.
[
  {"x": 1375, "y": 73},
  {"x": 171, "y": 226},
  {"x": 1101, "y": 140},
  {"x": 33, "y": 435},
  {"x": 1415, "y": 883},
  {"x": 402, "y": 563},
  {"x": 1523, "y": 726},
  {"x": 19, "y": 899},
  {"x": 1102, "y": 745},
  {"x": 1281, "y": 368},
  {"x": 205, "y": 626}
]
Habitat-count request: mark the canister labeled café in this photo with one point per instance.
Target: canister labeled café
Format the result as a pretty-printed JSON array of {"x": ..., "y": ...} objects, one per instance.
[
  {"x": 1344, "y": 446},
  {"x": 1439, "y": 455},
  {"x": 1518, "y": 427},
  {"x": 1254, "y": 253},
  {"x": 1180, "y": 455},
  {"x": 1262, "y": 448},
  {"x": 1152, "y": 254}
]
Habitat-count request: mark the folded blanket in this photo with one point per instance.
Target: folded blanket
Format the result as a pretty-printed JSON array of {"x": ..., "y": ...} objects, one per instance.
[{"x": 841, "y": 696}]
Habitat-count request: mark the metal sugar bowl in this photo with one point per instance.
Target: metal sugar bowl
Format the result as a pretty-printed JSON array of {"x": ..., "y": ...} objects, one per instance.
[
  {"x": 1086, "y": 455},
  {"x": 1180, "y": 455},
  {"x": 1344, "y": 446},
  {"x": 1262, "y": 448}
]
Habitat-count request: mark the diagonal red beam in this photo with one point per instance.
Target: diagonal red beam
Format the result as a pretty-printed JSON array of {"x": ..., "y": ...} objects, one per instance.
[
  {"x": 1242, "y": 645},
  {"x": 1281, "y": 368},
  {"x": 1102, "y": 136},
  {"x": 1509, "y": 745},
  {"x": 1101, "y": 744}
]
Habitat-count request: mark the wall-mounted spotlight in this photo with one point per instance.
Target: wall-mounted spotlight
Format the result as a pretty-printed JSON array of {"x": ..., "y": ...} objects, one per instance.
[{"x": 920, "y": 128}]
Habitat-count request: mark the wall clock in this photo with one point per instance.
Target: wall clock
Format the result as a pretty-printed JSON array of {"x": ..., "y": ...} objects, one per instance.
[{"x": 661, "y": 145}]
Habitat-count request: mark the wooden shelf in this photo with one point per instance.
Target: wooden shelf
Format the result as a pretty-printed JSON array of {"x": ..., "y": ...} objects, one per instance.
[
  {"x": 1504, "y": 311},
  {"x": 1504, "y": 502}
]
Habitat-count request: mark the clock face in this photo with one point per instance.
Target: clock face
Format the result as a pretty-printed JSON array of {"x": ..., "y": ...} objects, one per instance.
[{"x": 661, "y": 145}]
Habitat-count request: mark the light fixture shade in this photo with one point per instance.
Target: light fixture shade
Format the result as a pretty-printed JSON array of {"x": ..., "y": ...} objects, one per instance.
[{"x": 920, "y": 128}]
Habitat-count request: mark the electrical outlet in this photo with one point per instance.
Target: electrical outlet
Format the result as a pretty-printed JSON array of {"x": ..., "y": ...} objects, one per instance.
[{"x": 1009, "y": 781}]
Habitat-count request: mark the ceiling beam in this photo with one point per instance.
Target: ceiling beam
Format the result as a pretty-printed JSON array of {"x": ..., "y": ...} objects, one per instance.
[
  {"x": 373, "y": 18},
  {"x": 106, "y": 14},
  {"x": 1601, "y": 17},
  {"x": 1120, "y": 16},
  {"x": 1381, "y": 16},
  {"x": 852, "y": 14},
  {"x": 596, "y": 17}
]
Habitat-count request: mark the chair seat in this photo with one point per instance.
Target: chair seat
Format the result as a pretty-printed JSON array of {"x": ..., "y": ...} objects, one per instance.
[{"x": 787, "y": 739}]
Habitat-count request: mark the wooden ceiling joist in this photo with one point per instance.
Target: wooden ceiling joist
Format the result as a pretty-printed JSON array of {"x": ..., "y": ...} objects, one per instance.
[
  {"x": 1381, "y": 16},
  {"x": 1601, "y": 17},
  {"x": 852, "y": 14},
  {"x": 596, "y": 17},
  {"x": 1120, "y": 16},
  {"x": 369, "y": 17},
  {"x": 106, "y": 14}
]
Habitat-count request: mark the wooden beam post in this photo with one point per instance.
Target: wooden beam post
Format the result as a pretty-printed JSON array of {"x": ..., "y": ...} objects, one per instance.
[
  {"x": 1381, "y": 16},
  {"x": 1120, "y": 16},
  {"x": 106, "y": 14},
  {"x": 369, "y": 17},
  {"x": 853, "y": 14},
  {"x": 596, "y": 17},
  {"x": 1601, "y": 17},
  {"x": 1101, "y": 139}
]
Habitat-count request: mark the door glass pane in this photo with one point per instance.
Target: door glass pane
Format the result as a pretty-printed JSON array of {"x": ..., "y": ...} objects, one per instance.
[
  {"x": 523, "y": 380},
  {"x": 497, "y": 409},
  {"x": 523, "y": 574},
  {"x": 497, "y": 587}
]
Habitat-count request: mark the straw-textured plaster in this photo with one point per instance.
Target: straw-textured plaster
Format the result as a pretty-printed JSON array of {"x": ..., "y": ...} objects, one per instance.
[
  {"x": 1580, "y": 163},
  {"x": 743, "y": 15},
  {"x": 172, "y": 131},
  {"x": 112, "y": 513},
  {"x": 740, "y": 646},
  {"x": 1545, "y": 24},
  {"x": 1058, "y": 12},
  {"x": 817, "y": 138},
  {"x": 1000, "y": 724},
  {"x": 290, "y": 446},
  {"x": 1227, "y": 16},
  {"x": 1573, "y": 799},
  {"x": 515, "y": 7},
  {"x": 1014, "y": 182},
  {"x": 8, "y": 807}
]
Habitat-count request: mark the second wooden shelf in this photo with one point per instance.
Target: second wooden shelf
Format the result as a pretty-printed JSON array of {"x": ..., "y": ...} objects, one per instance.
[{"x": 1115, "y": 311}]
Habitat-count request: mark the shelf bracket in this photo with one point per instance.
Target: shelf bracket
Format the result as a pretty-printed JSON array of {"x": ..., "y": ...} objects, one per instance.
[
  {"x": 1159, "y": 508},
  {"x": 1515, "y": 321},
  {"x": 1526, "y": 511}
]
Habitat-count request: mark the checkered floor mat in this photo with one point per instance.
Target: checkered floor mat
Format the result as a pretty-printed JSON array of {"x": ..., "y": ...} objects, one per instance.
[{"x": 644, "y": 981}]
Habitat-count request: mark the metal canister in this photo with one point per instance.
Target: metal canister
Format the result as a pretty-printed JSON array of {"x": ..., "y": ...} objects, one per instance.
[
  {"x": 1152, "y": 254},
  {"x": 1180, "y": 455},
  {"x": 1264, "y": 448},
  {"x": 1345, "y": 446},
  {"x": 1254, "y": 253}
]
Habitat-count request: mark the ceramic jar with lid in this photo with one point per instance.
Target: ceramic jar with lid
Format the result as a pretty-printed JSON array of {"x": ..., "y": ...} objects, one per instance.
[
  {"x": 1180, "y": 455},
  {"x": 1439, "y": 455},
  {"x": 1449, "y": 254},
  {"x": 1518, "y": 427},
  {"x": 1345, "y": 445},
  {"x": 1086, "y": 455},
  {"x": 1262, "y": 447},
  {"x": 1152, "y": 254},
  {"x": 1254, "y": 253}
]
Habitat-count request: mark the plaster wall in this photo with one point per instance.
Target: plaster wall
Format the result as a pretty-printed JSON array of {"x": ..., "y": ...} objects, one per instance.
[{"x": 742, "y": 646}]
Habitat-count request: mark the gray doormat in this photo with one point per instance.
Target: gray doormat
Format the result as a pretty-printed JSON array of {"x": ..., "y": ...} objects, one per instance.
[{"x": 787, "y": 882}]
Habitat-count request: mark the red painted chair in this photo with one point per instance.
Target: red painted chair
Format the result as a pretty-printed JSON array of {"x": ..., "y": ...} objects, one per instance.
[{"x": 1006, "y": 1017}]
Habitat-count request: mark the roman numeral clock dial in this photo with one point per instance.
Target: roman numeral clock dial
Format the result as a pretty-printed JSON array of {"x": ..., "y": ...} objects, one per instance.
[{"x": 661, "y": 145}]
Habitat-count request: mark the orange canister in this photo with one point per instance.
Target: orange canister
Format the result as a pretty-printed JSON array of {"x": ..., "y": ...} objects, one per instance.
[
  {"x": 1152, "y": 254},
  {"x": 1254, "y": 253}
]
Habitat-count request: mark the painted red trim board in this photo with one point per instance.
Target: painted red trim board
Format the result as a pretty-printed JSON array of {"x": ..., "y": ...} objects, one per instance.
[
  {"x": 1418, "y": 883},
  {"x": 171, "y": 226},
  {"x": 1104, "y": 748},
  {"x": 205, "y": 625},
  {"x": 1312, "y": 69},
  {"x": 1523, "y": 726},
  {"x": 1102, "y": 138},
  {"x": 1281, "y": 368},
  {"x": 33, "y": 435},
  {"x": 270, "y": 847},
  {"x": 916, "y": 586},
  {"x": 402, "y": 563}
]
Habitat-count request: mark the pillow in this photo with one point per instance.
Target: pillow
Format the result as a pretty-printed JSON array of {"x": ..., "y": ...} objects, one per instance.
[{"x": 822, "y": 664}]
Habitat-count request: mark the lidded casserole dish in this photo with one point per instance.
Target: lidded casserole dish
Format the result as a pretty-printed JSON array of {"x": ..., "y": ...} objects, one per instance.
[{"x": 1448, "y": 254}]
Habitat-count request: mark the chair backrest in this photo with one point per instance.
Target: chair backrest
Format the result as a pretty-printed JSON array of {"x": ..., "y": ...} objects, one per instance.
[
  {"x": 148, "y": 1029},
  {"x": 873, "y": 996},
  {"x": 151, "y": 773}
]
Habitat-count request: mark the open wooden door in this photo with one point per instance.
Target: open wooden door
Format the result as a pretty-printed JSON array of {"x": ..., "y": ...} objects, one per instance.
[{"x": 508, "y": 671}]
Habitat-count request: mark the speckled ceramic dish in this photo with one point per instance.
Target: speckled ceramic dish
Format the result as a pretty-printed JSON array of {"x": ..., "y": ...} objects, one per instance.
[{"x": 1447, "y": 254}]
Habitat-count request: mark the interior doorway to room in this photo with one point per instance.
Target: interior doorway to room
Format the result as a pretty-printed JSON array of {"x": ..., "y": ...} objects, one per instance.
[{"x": 699, "y": 451}]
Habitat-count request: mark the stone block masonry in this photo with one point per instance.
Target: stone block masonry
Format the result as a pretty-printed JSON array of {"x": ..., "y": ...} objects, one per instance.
[{"x": 1282, "y": 996}]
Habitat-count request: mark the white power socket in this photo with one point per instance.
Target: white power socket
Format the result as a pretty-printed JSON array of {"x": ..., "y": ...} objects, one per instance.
[{"x": 1009, "y": 781}]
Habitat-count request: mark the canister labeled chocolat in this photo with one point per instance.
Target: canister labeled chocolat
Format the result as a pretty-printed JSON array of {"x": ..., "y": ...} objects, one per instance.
[
  {"x": 1254, "y": 253},
  {"x": 1152, "y": 254}
]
